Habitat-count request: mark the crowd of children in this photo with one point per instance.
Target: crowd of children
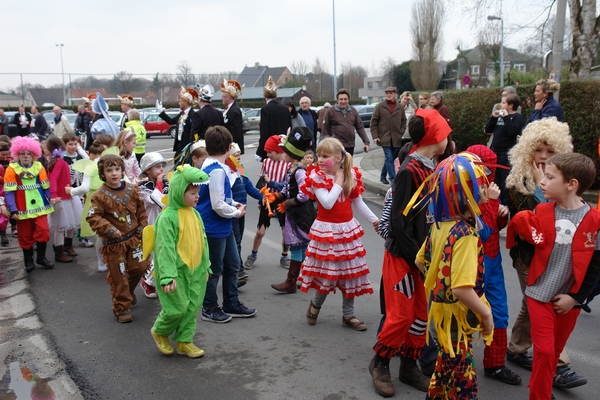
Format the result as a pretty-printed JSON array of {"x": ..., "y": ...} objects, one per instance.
[{"x": 442, "y": 276}]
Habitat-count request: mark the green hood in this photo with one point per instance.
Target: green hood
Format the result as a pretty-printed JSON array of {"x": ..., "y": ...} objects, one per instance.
[{"x": 182, "y": 176}]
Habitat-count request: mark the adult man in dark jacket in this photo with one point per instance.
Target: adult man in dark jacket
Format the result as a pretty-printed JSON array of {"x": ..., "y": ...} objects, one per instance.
[
  {"x": 83, "y": 119},
  {"x": 40, "y": 126},
  {"x": 22, "y": 120},
  {"x": 184, "y": 122},
  {"x": 232, "y": 116},
  {"x": 341, "y": 121},
  {"x": 207, "y": 115},
  {"x": 274, "y": 118},
  {"x": 388, "y": 124},
  {"x": 310, "y": 119}
]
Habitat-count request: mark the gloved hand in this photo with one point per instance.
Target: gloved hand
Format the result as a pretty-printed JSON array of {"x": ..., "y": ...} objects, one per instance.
[
  {"x": 257, "y": 158},
  {"x": 159, "y": 106},
  {"x": 281, "y": 208},
  {"x": 270, "y": 197}
]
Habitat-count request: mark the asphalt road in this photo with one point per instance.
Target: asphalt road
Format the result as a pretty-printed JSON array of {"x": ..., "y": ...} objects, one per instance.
[{"x": 274, "y": 355}]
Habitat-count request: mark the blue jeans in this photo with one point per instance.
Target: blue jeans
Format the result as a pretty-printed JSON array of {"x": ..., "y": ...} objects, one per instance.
[
  {"x": 391, "y": 153},
  {"x": 224, "y": 261}
]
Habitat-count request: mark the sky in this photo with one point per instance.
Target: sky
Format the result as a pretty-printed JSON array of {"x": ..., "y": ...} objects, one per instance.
[{"x": 150, "y": 36}]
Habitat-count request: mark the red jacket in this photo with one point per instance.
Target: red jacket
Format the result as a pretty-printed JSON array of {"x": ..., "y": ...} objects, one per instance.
[{"x": 60, "y": 176}]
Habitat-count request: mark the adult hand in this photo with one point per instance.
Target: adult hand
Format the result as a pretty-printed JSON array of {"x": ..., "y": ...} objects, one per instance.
[
  {"x": 258, "y": 158},
  {"x": 159, "y": 106},
  {"x": 537, "y": 172},
  {"x": 366, "y": 148},
  {"x": 540, "y": 105},
  {"x": 377, "y": 141}
]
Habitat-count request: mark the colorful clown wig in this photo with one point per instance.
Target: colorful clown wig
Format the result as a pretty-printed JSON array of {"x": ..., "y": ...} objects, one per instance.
[
  {"x": 24, "y": 143},
  {"x": 452, "y": 189}
]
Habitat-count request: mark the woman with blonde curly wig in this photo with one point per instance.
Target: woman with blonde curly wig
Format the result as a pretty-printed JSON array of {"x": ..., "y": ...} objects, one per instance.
[{"x": 540, "y": 140}]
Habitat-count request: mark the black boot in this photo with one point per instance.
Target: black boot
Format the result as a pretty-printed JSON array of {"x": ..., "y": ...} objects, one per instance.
[
  {"x": 28, "y": 255},
  {"x": 41, "y": 256},
  {"x": 3, "y": 238}
]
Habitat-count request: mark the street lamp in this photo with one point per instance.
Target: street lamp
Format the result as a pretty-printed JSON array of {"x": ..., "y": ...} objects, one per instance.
[
  {"x": 492, "y": 18},
  {"x": 60, "y": 46},
  {"x": 334, "y": 55}
]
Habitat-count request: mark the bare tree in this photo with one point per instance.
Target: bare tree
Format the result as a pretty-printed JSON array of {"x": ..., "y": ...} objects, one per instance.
[
  {"x": 323, "y": 79},
  {"x": 387, "y": 68},
  {"x": 184, "y": 75},
  {"x": 426, "y": 29},
  {"x": 353, "y": 78}
]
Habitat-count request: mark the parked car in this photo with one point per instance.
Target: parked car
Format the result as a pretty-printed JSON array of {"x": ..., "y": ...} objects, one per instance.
[
  {"x": 251, "y": 120},
  {"x": 365, "y": 113},
  {"x": 156, "y": 126},
  {"x": 11, "y": 129},
  {"x": 117, "y": 116}
]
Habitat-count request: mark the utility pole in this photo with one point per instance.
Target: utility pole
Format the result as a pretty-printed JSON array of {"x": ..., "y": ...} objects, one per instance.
[
  {"x": 557, "y": 45},
  {"x": 334, "y": 55}
]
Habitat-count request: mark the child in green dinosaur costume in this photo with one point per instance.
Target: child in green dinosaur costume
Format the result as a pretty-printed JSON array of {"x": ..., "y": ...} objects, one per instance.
[{"x": 181, "y": 263}]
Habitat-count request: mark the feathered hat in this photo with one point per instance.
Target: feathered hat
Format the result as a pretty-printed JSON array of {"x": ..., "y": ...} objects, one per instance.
[
  {"x": 232, "y": 88},
  {"x": 206, "y": 92},
  {"x": 89, "y": 98},
  {"x": 452, "y": 189},
  {"x": 24, "y": 143},
  {"x": 126, "y": 99},
  {"x": 189, "y": 95},
  {"x": 271, "y": 88}
]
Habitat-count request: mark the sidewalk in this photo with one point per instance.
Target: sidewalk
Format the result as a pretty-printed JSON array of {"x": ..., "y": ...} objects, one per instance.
[
  {"x": 32, "y": 368},
  {"x": 370, "y": 165}
]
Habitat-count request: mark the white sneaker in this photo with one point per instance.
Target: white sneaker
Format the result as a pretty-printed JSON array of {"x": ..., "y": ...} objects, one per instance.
[{"x": 102, "y": 268}]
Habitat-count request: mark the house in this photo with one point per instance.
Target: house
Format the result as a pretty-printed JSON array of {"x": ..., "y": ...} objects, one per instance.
[
  {"x": 373, "y": 90},
  {"x": 257, "y": 94},
  {"x": 258, "y": 76},
  {"x": 49, "y": 96},
  {"x": 13, "y": 100},
  {"x": 479, "y": 65},
  {"x": 77, "y": 94}
]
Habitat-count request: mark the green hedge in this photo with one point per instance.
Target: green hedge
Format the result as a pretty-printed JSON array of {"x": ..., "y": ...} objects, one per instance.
[{"x": 580, "y": 100}]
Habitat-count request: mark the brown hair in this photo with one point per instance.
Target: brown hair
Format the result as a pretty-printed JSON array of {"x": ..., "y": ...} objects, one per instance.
[
  {"x": 218, "y": 139},
  {"x": 513, "y": 100},
  {"x": 109, "y": 160},
  {"x": 70, "y": 137},
  {"x": 342, "y": 91},
  {"x": 52, "y": 143},
  {"x": 96, "y": 148},
  {"x": 575, "y": 166},
  {"x": 425, "y": 95},
  {"x": 104, "y": 139},
  {"x": 199, "y": 152}
]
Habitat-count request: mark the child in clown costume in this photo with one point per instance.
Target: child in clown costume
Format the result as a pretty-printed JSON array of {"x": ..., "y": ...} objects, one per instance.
[
  {"x": 452, "y": 260},
  {"x": 181, "y": 263},
  {"x": 27, "y": 191}
]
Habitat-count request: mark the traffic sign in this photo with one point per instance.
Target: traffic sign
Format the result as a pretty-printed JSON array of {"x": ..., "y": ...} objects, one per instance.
[{"x": 466, "y": 80}]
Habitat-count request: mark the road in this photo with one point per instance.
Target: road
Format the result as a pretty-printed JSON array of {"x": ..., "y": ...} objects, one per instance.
[{"x": 274, "y": 355}]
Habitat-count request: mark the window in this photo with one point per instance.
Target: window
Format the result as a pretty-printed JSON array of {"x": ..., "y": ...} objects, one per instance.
[
  {"x": 370, "y": 85},
  {"x": 475, "y": 70},
  {"x": 520, "y": 67},
  {"x": 380, "y": 84}
]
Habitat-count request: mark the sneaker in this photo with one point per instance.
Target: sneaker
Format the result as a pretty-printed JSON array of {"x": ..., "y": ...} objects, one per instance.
[
  {"x": 503, "y": 374},
  {"x": 85, "y": 242},
  {"x": 149, "y": 291},
  {"x": 102, "y": 268},
  {"x": 241, "y": 283},
  {"x": 249, "y": 263},
  {"x": 14, "y": 232},
  {"x": 566, "y": 378},
  {"x": 284, "y": 262},
  {"x": 215, "y": 315},
  {"x": 242, "y": 275},
  {"x": 189, "y": 349},
  {"x": 241, "y": 311},
  {"x": 124, "y": 316},
  {"x": 162, "y": 342},
  {"x": 524, "y": 359}
]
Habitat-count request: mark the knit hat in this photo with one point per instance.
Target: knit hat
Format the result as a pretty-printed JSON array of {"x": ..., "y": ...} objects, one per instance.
[
  {"x": 149, "y": 160},
  {"x": 231, "y": 87},
  {"x": 206, "y": 92},
  {"x": 271, "y": 88},
  {"x": 126, "y": 99},
  {"x": 297, "y": 142},
  {"x": 274, "y": 144}
]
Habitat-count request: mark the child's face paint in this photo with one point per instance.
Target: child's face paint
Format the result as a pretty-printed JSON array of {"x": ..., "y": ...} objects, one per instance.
[{"x": 328, "y": 164}]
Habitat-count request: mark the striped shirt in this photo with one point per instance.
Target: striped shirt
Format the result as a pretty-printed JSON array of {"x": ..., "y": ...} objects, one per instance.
[{"x": 275, "y": 170}]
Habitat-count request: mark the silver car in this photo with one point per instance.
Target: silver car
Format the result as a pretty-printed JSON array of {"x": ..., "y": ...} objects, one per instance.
[{"x": 251, "y": 120}]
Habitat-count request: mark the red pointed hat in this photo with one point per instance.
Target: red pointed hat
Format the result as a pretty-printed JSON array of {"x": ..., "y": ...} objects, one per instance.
[{"x": 436, "y": 127}]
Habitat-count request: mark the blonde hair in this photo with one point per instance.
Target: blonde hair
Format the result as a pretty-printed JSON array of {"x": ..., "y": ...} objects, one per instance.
[
  {"x": 548, "y": 85},
  {"x": 122, "y": 138},
  {"x": 133, "y": 115},
  {"x": 333, "y": 147},
  {"x": 548, "y": 131}
]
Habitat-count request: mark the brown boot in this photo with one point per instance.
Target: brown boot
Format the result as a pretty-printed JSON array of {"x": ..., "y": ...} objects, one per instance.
[
  {"x": 382, "y": 380},
  {"x": 312, "y": 313},
  {"x": 60, "y": 256},
  {"x": 289, "y": 286},
  {"x": 68, "y": 247},
  {"x": 410, "y": 374}
]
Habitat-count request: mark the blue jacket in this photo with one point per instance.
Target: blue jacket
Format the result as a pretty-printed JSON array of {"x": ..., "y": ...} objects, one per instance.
[{"x": 550, "y": 109}]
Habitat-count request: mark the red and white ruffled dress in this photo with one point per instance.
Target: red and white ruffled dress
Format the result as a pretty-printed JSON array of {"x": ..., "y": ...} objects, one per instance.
[{"x": 335, "y": 254}]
